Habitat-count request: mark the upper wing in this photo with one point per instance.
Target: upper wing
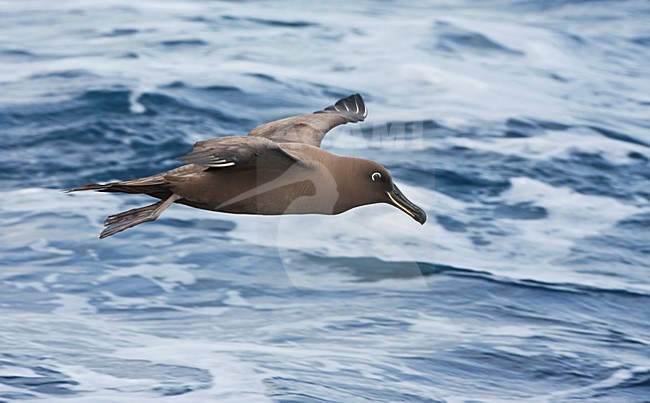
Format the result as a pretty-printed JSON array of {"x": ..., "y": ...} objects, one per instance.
[
  {"x": 310, "y": 129},
  {"x": 239, "y": 153}
]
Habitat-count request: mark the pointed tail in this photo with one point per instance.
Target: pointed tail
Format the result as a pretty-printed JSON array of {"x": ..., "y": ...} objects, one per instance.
[
  {"x": 91, "y": 186},
  {"x": 148, "y": 185}
]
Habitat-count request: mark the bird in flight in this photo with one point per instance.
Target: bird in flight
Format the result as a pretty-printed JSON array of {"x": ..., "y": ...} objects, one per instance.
[{"x": 278, "y": 168}]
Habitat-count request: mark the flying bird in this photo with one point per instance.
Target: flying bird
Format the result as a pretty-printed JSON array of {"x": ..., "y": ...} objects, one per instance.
[{"x": 278, "y": 168}]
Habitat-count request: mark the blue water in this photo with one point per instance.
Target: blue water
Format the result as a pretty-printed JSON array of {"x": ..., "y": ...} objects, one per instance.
[{"x": 521, "y": 127}]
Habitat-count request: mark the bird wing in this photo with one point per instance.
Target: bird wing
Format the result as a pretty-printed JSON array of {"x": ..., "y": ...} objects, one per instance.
[
  {"x": 311, "y": 128},
  {"x": 239, "y": 153}
]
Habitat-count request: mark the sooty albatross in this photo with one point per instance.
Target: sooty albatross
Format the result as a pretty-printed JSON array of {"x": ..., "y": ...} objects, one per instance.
[{"x": 278, "y": 168}]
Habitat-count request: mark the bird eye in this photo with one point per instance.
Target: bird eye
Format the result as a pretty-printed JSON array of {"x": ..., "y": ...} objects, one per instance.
[{"x": 375, "y": 176}]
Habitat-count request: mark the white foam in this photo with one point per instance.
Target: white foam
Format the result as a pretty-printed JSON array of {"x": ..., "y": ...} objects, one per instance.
[
  {"x": 554, "y": 144},
  {"x": 73, "y": 305},
  {"x": 166, "y": 275},
  {"x": 234, "y": 298},
  {"x": 616, "y": 378},
  {"x": 232, "y": 379},
  {"x": 42, "y": 245},
  {"x": 11, "y": 371}
]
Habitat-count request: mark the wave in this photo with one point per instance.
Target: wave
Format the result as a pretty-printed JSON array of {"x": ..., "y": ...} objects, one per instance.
[
  {"x": 272, "y": 23},
  {"x": 452, "y": 38}
]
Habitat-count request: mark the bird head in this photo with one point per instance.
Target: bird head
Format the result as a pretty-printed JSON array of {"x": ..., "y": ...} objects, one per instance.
[{"x": 374, "y": 184}]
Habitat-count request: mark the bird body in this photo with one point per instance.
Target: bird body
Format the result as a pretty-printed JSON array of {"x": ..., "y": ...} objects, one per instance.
[{"x": 277, "y": 169}]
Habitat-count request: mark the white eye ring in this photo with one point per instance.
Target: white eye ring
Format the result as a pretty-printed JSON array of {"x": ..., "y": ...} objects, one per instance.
[{"x": 375, "y": 176}]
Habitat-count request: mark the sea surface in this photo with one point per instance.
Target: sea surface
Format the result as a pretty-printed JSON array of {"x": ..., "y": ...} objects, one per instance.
[{"x": 521, "y": 127}]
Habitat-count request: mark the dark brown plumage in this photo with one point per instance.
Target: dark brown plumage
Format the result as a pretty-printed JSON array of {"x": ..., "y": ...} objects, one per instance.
[{"x": 277, "y": 169}]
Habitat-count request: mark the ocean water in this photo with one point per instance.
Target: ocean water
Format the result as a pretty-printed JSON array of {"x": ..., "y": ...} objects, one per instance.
[{"x": 521, "y": 127}]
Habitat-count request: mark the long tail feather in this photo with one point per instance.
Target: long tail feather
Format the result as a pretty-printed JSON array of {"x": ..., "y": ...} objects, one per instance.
[
  {"x": 148, "y": 185},
  {"x": 91, "y": 186}
]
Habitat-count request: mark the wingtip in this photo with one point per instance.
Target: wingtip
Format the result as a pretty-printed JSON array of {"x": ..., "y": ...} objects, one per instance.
[{"x": 352, "y": 106}]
